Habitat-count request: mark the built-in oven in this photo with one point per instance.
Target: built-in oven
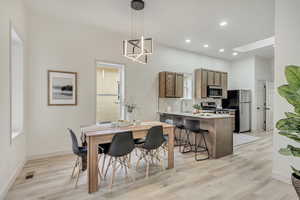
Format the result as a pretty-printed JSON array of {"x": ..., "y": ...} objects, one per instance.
[{"x": 214, "y": 92}]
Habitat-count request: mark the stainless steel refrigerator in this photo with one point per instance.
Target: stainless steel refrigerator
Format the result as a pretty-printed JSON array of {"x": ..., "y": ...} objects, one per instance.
[{"x": 240, "y": 100}]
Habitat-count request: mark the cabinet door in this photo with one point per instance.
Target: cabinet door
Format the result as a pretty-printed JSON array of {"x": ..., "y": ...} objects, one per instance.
[
  {"x": 217, "y": 79},
  {"x": 198, "y": 78},
  {"x": 224, "y": 78},
  {"x": 162, "y": 84},
  {"x": 204, "y": 81},
  {"x": 170, "y": 84},
  {"x": 210, "y": 78},
  {"x": 179, "y": 85}
]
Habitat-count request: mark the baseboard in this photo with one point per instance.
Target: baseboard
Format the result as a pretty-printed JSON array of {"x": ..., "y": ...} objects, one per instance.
[
  {"x": 280, "y": 177},
  {"x": 12, "y": 179},
  {"x": 48, "y": 155}
]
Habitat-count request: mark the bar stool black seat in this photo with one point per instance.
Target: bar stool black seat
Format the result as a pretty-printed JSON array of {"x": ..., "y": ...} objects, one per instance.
[
  {"x": 179, "y": 124},
  {"x": 193, "y": 126}
]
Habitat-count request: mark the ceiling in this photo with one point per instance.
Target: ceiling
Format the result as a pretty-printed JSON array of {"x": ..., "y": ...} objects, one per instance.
[{"x": 170, "y": 22}]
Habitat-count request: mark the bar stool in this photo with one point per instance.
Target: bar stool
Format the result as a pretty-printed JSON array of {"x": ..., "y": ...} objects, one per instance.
[
  {"x": 193, "y": 126},
  {"x": 179, "y": 125}
]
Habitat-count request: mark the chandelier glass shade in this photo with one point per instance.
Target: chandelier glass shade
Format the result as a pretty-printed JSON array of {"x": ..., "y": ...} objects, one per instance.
[{"x": 138, "y": 48}]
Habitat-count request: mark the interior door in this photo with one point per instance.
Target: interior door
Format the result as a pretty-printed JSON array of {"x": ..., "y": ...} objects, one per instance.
[
  {"x": 269, "y": 105},
  {"x": 108, "y": 94},
  {"x": 260, "y": 105}
]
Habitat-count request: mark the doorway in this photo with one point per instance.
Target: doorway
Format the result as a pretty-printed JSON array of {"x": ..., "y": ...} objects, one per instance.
[
  {"x": 109, "y": 91},
  {"x": 264, "y": 102}
]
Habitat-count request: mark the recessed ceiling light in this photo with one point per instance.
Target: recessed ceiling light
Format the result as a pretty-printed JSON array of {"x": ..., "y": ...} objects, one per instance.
[
  {"x": 223, "y": 23},
  {"x": 221, "y": 50},
  {"x": 205, "y": 46},
  {"x": 235, "y": 54},
  {"x": 188, "y": 41}
]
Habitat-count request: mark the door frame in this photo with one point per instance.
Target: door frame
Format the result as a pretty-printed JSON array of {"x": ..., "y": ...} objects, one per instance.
[{"x": 121, "y": 68}]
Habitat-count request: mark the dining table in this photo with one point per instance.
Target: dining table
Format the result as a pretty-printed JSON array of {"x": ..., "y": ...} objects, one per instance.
[{"x": 96, "y": 134}]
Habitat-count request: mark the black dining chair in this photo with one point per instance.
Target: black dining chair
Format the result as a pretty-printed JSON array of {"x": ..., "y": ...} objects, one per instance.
[
  {"x": 119, "y": 151},
  {"x": 193, "y": 126},
  {"x": 150, "y": 148},
  {"x": 81, "y": 152}
]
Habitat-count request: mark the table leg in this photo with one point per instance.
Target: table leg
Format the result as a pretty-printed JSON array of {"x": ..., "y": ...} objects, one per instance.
[
  {"x": 92, "y": 165},
  {"x": 171, "y": 149}
]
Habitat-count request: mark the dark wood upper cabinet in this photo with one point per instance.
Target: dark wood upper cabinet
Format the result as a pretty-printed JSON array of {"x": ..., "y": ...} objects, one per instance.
[
  {"x": 205, "y": 78},
  {"x": 217, "y": 81},
  {"x": 224, "y": 78},
  {"x": 179, "y": 85},
  {"x": 170, "y": 85},
  {"x": 210, "y": 78}
]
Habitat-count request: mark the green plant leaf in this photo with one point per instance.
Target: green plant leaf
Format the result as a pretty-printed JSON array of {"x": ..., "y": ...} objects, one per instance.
[
  {"x": 294, "y": 150},
  {"x": 292, "y": 136},
  {"x": 291, "y": 115},
  {"x": 285, "y": 152},
  {"x": 297, "y": 172},
  {"x": 297, "y": 109},
  {"x": 290, "y": 93},
  {"x": 292, "y": 74},
  {"x": 289, "y": 124}
]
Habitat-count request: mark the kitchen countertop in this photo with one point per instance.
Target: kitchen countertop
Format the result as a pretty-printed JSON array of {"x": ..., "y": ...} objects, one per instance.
[{"x": 199, "y": 115}]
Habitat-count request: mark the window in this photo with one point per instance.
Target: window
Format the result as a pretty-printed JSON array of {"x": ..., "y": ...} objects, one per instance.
[
  {"x": 187, "y": 86},
  {"x": 16, "y": 83}
]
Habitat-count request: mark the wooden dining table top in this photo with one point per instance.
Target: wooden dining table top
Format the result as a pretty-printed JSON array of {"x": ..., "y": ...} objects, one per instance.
[{"x": 96, "y": 130}]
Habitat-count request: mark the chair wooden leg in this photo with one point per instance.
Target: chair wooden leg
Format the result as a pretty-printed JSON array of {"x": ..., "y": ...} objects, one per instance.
[
  {"x": 138, "y": 162},
  {"x": 75, "y": 165},
  {"x": 99, "y": 171},
  {"x": 78, "y": 174},
  {"x": 103, "y": 164},
  {"x": 113, "y": 173},
  {"x": 109, "y": 163},
  {"x": 147, "y": 168}
]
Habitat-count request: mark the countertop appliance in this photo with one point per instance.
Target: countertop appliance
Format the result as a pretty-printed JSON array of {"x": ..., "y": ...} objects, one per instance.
[
  {"x": 211, "y": 107},
  {"x": 214, "y": 91},
  {"x": 240, "y": 100}
]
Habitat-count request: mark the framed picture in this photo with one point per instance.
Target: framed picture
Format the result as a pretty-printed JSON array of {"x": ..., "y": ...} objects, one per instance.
[{"x": 62, "y": 88}]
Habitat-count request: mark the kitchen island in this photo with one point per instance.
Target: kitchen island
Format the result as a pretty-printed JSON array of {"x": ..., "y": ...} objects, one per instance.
[{"x": 220, "y": 127}]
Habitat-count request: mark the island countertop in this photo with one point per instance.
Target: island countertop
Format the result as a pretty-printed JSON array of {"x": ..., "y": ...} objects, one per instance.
[
  {"x": 199, "y": 115},
  {"x": 220, "y": 128}
]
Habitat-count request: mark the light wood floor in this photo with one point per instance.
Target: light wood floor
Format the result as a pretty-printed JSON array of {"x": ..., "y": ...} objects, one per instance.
[{"x": 246, "y": 175}]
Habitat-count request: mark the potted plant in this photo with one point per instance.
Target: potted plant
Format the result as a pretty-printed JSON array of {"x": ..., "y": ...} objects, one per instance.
[
  {"x": 197, "y": 108},
  {"x": 290, "y": 126}
]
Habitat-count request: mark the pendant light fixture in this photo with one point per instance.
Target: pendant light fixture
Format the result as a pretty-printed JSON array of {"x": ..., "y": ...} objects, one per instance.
[{"x": 138, "y": 48}]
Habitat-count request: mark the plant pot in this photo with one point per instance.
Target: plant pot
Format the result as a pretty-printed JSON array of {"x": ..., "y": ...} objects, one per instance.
[{"x": 296, "y": 183}]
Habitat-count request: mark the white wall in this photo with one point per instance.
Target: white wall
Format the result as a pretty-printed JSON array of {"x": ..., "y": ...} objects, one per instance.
[
  {"x": 287, "y": 48},
  {"x": 73, "y": 47},
  {"x": 12, "y": 154},
  {"x": 264, "y": 69}
]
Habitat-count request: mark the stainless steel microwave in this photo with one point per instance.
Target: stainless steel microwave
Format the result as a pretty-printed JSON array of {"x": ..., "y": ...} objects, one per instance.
[{"x": 214, "y": 92}]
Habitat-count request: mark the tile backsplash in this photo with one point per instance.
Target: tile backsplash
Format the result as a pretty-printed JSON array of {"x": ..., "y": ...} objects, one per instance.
[{"x": 181, "y": 105}]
